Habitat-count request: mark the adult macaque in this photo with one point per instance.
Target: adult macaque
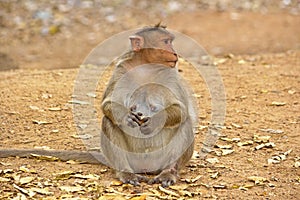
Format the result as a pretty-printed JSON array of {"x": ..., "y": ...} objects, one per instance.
[{"x": 148, "y": 115}]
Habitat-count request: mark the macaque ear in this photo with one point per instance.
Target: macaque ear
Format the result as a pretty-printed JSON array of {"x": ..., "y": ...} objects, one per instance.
[{"x": 137, "y": 42}]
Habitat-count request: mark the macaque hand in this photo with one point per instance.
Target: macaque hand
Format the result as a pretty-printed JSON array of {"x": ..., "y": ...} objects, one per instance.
[
  {"x": 152, "y": 123},
  {"x": 136, "y": 119}
]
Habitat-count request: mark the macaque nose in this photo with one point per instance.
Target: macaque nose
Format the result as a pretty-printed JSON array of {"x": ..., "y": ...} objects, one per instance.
[{"x": 140, "y": 114}]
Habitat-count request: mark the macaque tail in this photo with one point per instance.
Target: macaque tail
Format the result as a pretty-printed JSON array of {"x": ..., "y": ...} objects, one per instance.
[{"x": 91, "y": 157}]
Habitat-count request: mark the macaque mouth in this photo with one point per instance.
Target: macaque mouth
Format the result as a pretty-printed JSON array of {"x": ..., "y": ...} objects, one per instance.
[
  {"x": 140, "y": 119},
  {"x": 175, "y": 60},
  {"x": 172, "y": 62}
]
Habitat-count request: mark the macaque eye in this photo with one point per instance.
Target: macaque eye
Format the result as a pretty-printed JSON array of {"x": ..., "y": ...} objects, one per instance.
[
  {"x": 153, "y": 108},
  {"x": 167, "y": 41},
  {"x": 133, "y": 108}
]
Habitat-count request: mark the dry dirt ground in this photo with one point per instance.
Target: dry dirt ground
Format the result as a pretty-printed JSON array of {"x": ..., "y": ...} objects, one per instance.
[{"x": 259, "y": 61}]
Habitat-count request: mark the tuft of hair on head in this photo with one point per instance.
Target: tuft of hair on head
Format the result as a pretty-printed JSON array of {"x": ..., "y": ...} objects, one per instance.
[
  {"x": 157, "y": 27},
  {"x": 160, "y": 25}
]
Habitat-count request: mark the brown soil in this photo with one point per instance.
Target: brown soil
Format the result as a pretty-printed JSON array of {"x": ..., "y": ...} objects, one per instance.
[{"x": 263, "y": 69}]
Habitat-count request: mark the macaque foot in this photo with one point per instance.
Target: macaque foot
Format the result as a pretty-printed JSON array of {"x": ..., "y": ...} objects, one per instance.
[
  {"x": 133, "y": 179},
  {"x": 166, "y": 178}
]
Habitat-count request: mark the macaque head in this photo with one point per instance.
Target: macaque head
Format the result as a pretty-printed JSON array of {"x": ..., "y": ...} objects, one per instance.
[{"x": 154, "y": 44}]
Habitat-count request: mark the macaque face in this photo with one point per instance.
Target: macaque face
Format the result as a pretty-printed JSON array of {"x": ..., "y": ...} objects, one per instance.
[
  {"x": 155, "y": 46},
  {"x": 162, "y": 51}
]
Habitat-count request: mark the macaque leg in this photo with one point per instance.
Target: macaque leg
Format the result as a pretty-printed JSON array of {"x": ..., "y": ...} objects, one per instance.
[
  {"x": 118, "y": 160},
  {"x": 170, "y": 175},
  {"x": 167, "y": 176},
  {"x": 133, "y": 179}
]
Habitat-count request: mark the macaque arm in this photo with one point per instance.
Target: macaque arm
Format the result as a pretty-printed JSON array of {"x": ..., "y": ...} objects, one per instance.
[
  {"x": 114, "y": 111},
  {"x": 175, "y": 115}
]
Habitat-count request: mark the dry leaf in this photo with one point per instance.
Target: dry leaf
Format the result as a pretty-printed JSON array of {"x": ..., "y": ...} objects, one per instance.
[
  {"x": 197, "y": 95},
  {"x": 219, "y": 61},
  {"x": 249, "y": 142},
  {"x": 257, "y": 179},
  {"x": 219, "y": 186},
  {"x": 278, "y": 158},
  {"x": 236, "y": 125},
  {"x": 71, "y": 188},
  {"x": 19, "y": 197},
  {"x": 246, "y": 187},
  {"x": 292, "y": 91},
  {"x": 24, "y": 191},
  {"x": 55, "y": 109},
  {"x": 269, "y": 130},
  {"x": 241, "y": 62},
  {"x": 55, "y": 131},
  {"x": 34, "y": 107},
  {"x": 267, "y": 145},
  {"x": 116, "y": 183},
  {"x": 230, "y": 55},
  {"x": 276, "y": 103},
  {"x": 43, "y": 147},
  {"x": 229, "y": 146},
  {"x": 89, "y": 176},
  {"x": 46, "y": 96},
  {"x": 142, "y": 197},
  {"x": 195, "y": 155},
  {"x": 4, "y": 179},
  {"x": 230, "y": 139},
  {"x": 169, "y": 192},
  {"x": 179, "y": 187},
  {"x": 42, "y": 157},
  {"x": 41, "y": 122},
  {"x": 64, "y": 175},
  {"x": 73, "y": 162},
  {"x": 215, "y": 175},
  {"x": 24, "y": 169},
  {"x": 5, "y": 164},
  {"x": 26, "y": 180},
  {"x": 78, "y": 102},
  {"x": 192, "y": 180},
  {"x": 83, "y": 137},
  {"x": 212, "y": 160},
  {"x": 112, "y": 197},
  {"x": 44, "y": 191},
  {"x": 82, "y": 126},
  {"x": 91, "y": 94},
  {"x": 243, "y": 188},
  {"x": 155, "y": 192},
  {"x": 5, "y": 171},
  {"x": 227, "y": 151},
  {"x": 185, "y": 193},
  {"x": 260, "y": 139}
]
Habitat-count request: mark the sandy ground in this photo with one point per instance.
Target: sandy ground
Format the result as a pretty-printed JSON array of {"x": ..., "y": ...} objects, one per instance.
[{"x": 258, "y": 58}]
